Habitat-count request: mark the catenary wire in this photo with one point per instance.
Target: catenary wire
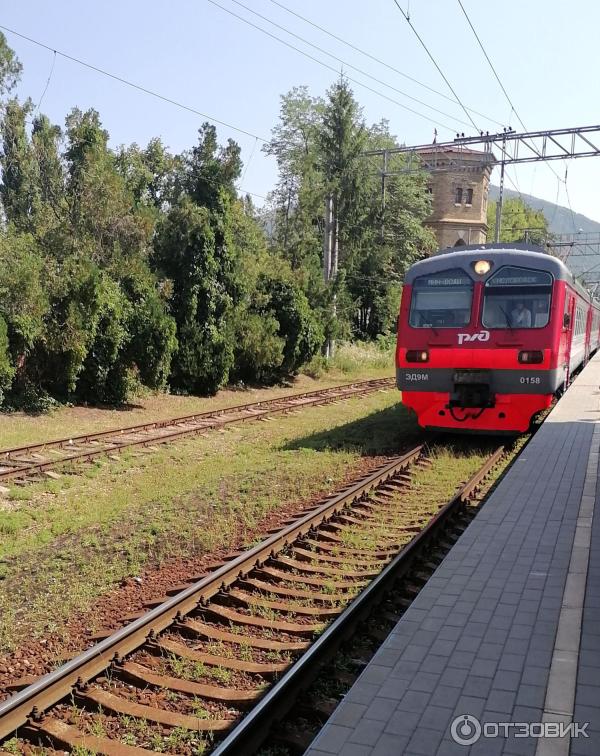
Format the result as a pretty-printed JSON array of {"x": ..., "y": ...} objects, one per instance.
[
  {"x": 487, "y": 57},
  {"x": 133, "y": 85},
  {"x": 37, "y": 107},
  {"x": 433, "y": 60},
  {"x": 491, "y": 65},
  {"x": 331, "y": 68},
  {"x": 378, "y": 60},
  {"x": 349, "y": 65}
]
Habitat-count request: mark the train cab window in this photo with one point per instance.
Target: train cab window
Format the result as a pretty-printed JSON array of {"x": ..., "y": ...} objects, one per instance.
[
  {"x": 517, "y": 298},
  {"x": 441, "y": 300}
]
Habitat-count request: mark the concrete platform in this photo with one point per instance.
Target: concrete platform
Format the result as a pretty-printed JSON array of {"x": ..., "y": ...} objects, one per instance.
[{"x": 507, "y": 630}]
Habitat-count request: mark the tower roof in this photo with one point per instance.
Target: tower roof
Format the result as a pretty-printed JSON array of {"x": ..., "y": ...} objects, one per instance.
[{"x": 451, "y": 149}]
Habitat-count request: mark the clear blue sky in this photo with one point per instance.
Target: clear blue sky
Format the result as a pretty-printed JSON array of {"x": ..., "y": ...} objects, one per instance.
[{"x": 546, "y": 54}]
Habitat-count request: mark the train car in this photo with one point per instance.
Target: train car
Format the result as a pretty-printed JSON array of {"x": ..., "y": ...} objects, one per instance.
[{"x": 489, "y": 334}]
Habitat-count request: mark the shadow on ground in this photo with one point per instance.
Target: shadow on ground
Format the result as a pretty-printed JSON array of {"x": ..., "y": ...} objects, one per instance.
[{"x": 386, "y": 431}]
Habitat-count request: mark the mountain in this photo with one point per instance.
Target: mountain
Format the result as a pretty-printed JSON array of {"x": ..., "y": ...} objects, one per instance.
[
  {"x": 560, "y": 219},
  {"x": 583, "y": 257}
]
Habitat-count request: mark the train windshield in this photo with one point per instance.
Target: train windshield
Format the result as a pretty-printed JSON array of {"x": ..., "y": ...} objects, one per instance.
[
  {"x": 517, "y": 298},
  {"x": 441, "y": 300}
]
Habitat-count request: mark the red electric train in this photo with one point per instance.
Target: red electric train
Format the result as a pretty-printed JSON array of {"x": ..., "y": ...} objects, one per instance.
[{"x": 488, "y": 335}]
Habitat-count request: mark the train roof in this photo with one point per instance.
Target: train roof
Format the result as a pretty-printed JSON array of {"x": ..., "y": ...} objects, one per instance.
[{"x": 525, "y": 255}]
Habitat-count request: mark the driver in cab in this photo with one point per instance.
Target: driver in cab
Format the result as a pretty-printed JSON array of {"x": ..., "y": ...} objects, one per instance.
[{"x": 520, "y": 316}]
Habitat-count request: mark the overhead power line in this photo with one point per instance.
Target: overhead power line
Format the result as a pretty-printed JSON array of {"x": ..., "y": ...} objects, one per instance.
[
  {"x": 433, "y": 60},
  {"x": 487, "y": 57},
  {"x": 491, "y": 65},
  {"x": 39, "y": 104},
  {"x": 133, "y": 85},
  {"x": 331, "y": 68},
  {"x": 379, "y": 60},
  {"x": 345, "y": 63}
]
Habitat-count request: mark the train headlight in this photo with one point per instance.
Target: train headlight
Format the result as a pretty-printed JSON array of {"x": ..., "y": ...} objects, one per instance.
[
  {"x": 481, "y": 267},
  {"x": 530, "y": 358},
  {"x": 417, "y": 355}
]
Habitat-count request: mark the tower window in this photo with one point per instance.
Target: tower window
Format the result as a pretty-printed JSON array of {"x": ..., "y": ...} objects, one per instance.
[
  {"x": 469, "y": 198},
  {"x": 458, "y": 196},
  {"x": 429, "y": 190}
]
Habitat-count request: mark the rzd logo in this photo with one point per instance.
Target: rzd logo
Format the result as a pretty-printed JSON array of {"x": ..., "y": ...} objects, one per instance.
[{"x": 481, "y": 336}]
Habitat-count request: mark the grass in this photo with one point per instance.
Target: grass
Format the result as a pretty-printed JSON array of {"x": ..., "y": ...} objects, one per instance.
[
  {"x": 350, "y": 359},
  {"x": 18, "y": 429},
  {"x": 62, "y": 547}
]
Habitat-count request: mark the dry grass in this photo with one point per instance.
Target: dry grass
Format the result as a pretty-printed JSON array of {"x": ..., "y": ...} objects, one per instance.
[{"x": 18, "y": 429}]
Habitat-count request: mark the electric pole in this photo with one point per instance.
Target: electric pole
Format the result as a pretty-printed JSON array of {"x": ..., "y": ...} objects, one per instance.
[
  {"x": 500, "y": 195},
  {"x": 330, "y": 259}
]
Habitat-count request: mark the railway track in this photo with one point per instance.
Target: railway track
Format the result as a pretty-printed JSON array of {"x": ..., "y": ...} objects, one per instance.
[
  {"x": 214, "y": 664},
  {"x": 29, "y": 463}
]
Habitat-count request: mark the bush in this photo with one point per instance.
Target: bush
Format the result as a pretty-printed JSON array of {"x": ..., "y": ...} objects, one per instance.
[
  {"x": 192, "y": 252},
  {"x": 28, "y": 397},
  {"x": 152, "y": 340},
  {"x": 6, "y": 369},
  {"x": 298, "y": 325},
  {"x": 258, "y": 348},
  {"x": 104, "y": 375}
]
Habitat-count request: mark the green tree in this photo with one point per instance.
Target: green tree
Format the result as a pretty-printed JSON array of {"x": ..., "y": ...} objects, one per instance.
[
  {"x": 10, "y": 67},
  {"x": 50, "y": 205},
  {"x": 191, "y": 252},
  {"x": 24, "y": 304},
  {"x": 342, "y": 140},
  {"x": 83, "y": 313},
  {"x": 151, "y": 174},
  {"x": 7, "y": 370},
  {"x": 151, "y": 330},
  {"x": 298, "y": 199},
  {"x": 194, "y": 252},
  {"x": 319, "y": 146},
  {"x": 103, "y": 215},
  {"x": 17, "y": 187},
  {"x": 520, "y": 222},
  {"x": 104, "y": 372},
  {"x": 210, "y": 170}
]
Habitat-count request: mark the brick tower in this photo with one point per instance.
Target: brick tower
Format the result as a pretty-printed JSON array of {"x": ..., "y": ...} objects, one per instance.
[{"x": 459, "y": 181}]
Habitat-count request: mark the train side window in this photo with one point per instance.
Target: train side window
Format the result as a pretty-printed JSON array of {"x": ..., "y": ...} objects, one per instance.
[
  {"x": 567, "y": 313},
  {"x": 517, "y": 298},
  {"x": 441, "y": 300}
]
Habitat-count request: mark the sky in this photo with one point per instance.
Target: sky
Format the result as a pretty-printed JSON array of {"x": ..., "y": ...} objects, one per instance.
[{"x": 545, "y": 53}]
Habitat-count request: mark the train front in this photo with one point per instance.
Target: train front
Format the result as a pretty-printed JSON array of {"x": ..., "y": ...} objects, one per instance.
[{"x": 478, "y": 347}]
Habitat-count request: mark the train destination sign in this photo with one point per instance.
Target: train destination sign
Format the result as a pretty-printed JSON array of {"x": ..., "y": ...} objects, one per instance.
[
  {"x": 447, "y": 278},
  {"x": 509, "y": 276}
]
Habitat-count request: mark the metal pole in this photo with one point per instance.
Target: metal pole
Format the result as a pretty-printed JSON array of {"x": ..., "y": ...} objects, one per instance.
[
  {"x": 499, "y": 203},
  {"x": 327, "y": 259},
  {"x": 334, "y": 266},
  {"x": 327, "y": 238},
  {"x": 383, "y": 197},
  {"x": 383, "y": 176}
]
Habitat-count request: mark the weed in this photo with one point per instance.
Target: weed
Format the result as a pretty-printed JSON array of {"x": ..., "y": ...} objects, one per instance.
[
  {"x": 12, "y": 746},
  {"x": 96, "y": 728},
  {"x": 222, "y": 675}
]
